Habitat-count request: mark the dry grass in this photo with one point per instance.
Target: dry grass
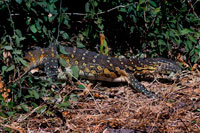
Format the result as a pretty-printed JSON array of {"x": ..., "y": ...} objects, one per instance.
[{"x": 118, "y": 107}]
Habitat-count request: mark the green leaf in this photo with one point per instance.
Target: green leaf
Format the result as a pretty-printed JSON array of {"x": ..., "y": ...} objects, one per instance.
[
  {"x": 8, "y": 47},
  {"x": 66, "y": 98},
  {"x": 122, "y": 10},
  {"x": 95, "y": 3},
  {"x": 80, "y": 86},
  {"x": 192, "y": 52},
  {"x": 24, "y": 62},
  {"x": 119, "y": 18},
  {"x": 4, "y": 69},
  {"x": 65, "y": 36},
  {"x": 35, "y": 94},
  {"x": 19, "y": 1},
  {"x": 138, "y": 7},
  {"x": 134, "y": 19},
  {"x": 75, "y": 71},
  {"x": 185, "y": 31},
  {"x": 192, "y": 39},
  {"x": 87, "y": 7},
  {"x": 10, "y": 104},
  {"x": 10, "y": 113},
  {"x": 80, "y": 45},
  {"x": 193, "y": 122},
  {"x": 64, "y": 104},
  {"x": 17, "y": 40},
  {"x": 1, "y": 97},
  {"x": 141, "y": 1},
  {"x": 41, "y": 109},
  {"x": 153, "y": 3},
  {"x": 33, "y": 28},
  {"x": 62, "y": 50},
  {"x": 63, "y": 62},
  {"x": 44, "y": 29},
  {"x": 10, "y": 68},
  {"x": 132, "y": 29},
  {"x": 188, "y": 45},
  {"x": 18, "y": 32},
  {"x": 161, "y": 42},
  {"x": 24, "y": 107},
  {"x": 17, "y": 52},
  {"x": 156, "y": 10},
  {"x": 37, "y": 24},
  {"x": 86, "y": 32},
  {"x": 171, "y": 33},
  {"x": 73, "y": 97}
]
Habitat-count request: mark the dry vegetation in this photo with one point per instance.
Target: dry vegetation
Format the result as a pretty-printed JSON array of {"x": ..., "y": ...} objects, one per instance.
[{"x": 119, "y": 108}]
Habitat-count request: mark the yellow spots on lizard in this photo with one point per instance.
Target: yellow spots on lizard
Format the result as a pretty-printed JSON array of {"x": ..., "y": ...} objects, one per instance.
[
  {"x": 84, "y": 64},
  {"x": 93, "y": 72},
  {"x": 74, "y": 50},
  {"x": 111, "y": 64},
  {"x": 85, "y": 53},
  {"x": 42, "y": 55},
  {"x": 93, "y": 60},
  {"x": 83, "y": 58},
  {"x": 81, "y": 72},
  {"x": 76, "y": 62},
  {"x": 121, "y": 72},
  {"x": 130, "y": 68},
  {"x": 108, "y": 61},
  {"x": 67, "y": 60},
  {"x": 87, "y": 70},
  {"x": 122, "y": 63},
  {"x": 106, "y": 71},
  {"x": 139, "y": 68},
  {"x": 150, "y": 67},
  {"x": 91, "y": 66},
  {"x": 72, "y": 56},
  {"x": 117, "y": 68},
  {"x": 110, "y": 74},
  {"x": 95, "y": 56},
  {"x": 99, "y": 68},
  {"x": 52, "y": 52},
  {"x": 32, "y": 58}
]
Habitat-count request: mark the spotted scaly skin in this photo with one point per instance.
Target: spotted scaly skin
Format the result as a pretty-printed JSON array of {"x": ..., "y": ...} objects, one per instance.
[
  {"x": 95, "y": 66},
  {"x": 43, "y": 56}
]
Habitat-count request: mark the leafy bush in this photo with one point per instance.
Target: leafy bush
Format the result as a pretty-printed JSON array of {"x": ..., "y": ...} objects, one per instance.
[{"x": 156, "y": 28}]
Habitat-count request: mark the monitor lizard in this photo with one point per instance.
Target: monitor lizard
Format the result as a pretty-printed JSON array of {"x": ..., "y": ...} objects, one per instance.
[{"x": 94, "y": 66}]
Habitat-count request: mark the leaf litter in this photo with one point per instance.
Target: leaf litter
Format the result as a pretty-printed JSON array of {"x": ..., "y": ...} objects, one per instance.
[{"x": 120, "y": 110}]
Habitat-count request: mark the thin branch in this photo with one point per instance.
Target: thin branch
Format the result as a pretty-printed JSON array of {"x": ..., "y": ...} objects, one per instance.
[
  {"x": 192, "y": 8},
  {"x": 12, "y": 22},
  {"x": 58, "y": 34},
  {"x": 15, "y": 128},
  {"x": 103, "y": 12},
  {"x": 22, "y": 118}
]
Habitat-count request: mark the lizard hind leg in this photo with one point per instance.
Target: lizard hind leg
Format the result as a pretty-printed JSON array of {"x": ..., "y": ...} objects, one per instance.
[{"x": 136, "y": 85}]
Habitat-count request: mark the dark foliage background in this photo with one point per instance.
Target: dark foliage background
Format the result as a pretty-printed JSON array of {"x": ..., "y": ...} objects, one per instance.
[{"x": 167, "y": 28}]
